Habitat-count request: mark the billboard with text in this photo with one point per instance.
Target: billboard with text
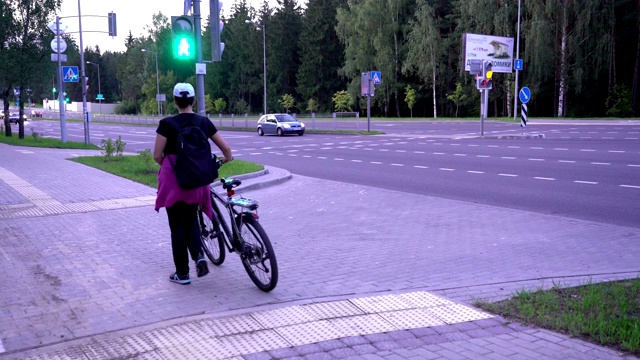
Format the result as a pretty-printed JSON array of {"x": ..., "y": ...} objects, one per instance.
[{"x": 496, "y": 49}]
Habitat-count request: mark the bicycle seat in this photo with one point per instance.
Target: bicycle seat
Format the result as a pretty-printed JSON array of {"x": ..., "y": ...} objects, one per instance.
[{"x": 229, "y": 184}]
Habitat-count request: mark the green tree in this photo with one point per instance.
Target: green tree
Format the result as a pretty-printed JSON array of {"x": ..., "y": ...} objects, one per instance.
[
  {"x": 321, "y": 55},
  {"x": 219, "y": 105},
  {"x": 287, "y": 102},
  {"x": 425, "y": 52},
  {"x": 457, "y": 96},
  {"x": 312, "y": 105},
  {"x": 283, "y": 39},
  {"x": 410, "y": 97},
  {"x": 342, "y": 101}
]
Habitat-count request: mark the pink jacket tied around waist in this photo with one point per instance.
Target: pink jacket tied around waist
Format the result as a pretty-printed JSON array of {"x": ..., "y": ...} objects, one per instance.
[{"x": 169, "y": 192}]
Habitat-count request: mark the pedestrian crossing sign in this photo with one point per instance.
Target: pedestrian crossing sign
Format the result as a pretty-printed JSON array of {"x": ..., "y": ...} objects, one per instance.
[
  {"x": 70, "y": 74},
  {"x": 376, "y": 77}
]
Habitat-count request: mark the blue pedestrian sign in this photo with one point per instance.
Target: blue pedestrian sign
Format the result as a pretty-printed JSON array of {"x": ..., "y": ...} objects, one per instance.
[
  {"x": 376, "y": 76},
  {"x": 517, "y": 65},
  {"x": 525, "y": 95},
  {"x": 70, "y": 74}
]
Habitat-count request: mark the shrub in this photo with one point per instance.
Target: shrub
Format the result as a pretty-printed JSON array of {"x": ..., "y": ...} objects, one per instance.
[
  {"x": 108, "y": 149},
  {"x": 120, "y": 146},
  {"x": 147, "y": 159}
]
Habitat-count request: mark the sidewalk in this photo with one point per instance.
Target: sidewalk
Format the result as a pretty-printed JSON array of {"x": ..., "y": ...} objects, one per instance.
[{"x": 364, "y": 272}]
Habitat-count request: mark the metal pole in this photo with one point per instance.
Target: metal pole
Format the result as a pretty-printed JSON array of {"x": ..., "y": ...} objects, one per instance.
[
  {"x": 87, "y": 135},
  {"x": 99, "y": 90},
  {"x": 158, "y": 85},
  {"x": 63, "y": 125},
  {"x": 515, "y": 90},
  {"x": 199, "y": 77},
  {"x": 264, "y": 61}
]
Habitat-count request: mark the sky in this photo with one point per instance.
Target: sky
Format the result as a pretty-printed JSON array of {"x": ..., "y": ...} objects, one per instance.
[{"x": 134, "y": 15}]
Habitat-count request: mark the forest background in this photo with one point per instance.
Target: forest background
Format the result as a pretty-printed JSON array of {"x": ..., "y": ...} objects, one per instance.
[{"x": 581, "y": 58}]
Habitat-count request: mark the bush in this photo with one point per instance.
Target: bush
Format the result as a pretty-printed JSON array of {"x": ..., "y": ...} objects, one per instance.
[
  {"x": 108, "y": 149},
  {"x": 36, "y": 135},
  {"x": 126, "y": 107},
  {"x": 120, "y": 146},
  {"x": 619, "y": 102},
  {"x": 147, "y": 159}
]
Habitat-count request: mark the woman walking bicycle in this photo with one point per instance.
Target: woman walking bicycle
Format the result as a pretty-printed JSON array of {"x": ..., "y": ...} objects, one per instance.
[{"x": 182, "y": 204}]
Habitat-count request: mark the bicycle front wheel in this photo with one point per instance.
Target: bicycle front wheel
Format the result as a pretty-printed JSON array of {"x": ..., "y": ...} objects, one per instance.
[
  {"x": 257, "y": 255},
  {"x": 212, "y": 244}
]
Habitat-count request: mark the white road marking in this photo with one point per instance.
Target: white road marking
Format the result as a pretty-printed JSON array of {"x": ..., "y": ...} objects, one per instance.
[
  {"x": 475, "y": 172},
  {"x": 418, "y": 152},
  {"x": 322, "y": 157},
  {"x": 616, "y": 151},
  {"x": 542, "y": 178},
  {"x": 401, "y": 151},
  {"x": 446, "y": 169},
  {"x": 513, "y": 147},
  {"x": 600, "y": 163},
  {"x": 255, "y": 153},
  {"x": 535, "y": 159},
  {"x": 566, "y": 161},
  {"x": 561, "y": 149},
  {"x": 633, "y": 165},
  {"x": 630, "y": 186},
  {"x": 493, "y": 146},
  {"x": 397, "y": 164},
  {"x": 438, "y": 153},
  {"x": 509, "y": 175},
  {"x": 460, "y": 154},
  {"x": 420, "y": 167},
  {"x": 339, "y": 159},
  {"x": 508, "y": 157},
  {"x": 376, "y": 162},
  {"x": 536, "y": 148},
  {"x": 585, "y": 182},
  {"x": 358, "y": 161},
  {"x": 587, "y": 150},
  {"x": 483, "y": 156}
]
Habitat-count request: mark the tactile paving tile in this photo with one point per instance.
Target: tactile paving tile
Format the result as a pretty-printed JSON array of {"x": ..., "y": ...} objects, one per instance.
[
  {"x": 230, "y": 325},
  {"x": 376, "y": 304},
  {"x": 422, "y": 299},
  {"x": 363, "y": 324},
  {"x": 253, "y": 342},
  {"x": 312, "y": 332},
  {"x": 73, "y": 353},
  {"x": 199, "y": 349},
  {"x": 174, "y": 335},
  {"x": 411, "y": 319},
  {"x": 333, "y": 309},
  {"x": 284, "y": 316},
  {"x": 121, "y": 347},
  {"x": 456, "y": 313}
]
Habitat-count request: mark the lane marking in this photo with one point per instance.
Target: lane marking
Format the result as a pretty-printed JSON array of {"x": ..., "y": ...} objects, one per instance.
[
  {"x": 459, "y": 154},
  {"x": 376, "y": 162},
  {"x": 446, "y": 169},
  {"x": 475, "y": 172},
  {"x": 536, "y": 148},
  {"x": 535, "y": 159},
  {"x": 339, "y": 159},
  {"x": 561, "y": 149},
  {"x": 585, "y": 182},
  {"x": 438, "y": 153},
  {"x": 633, "y": 165},
  {"x": 357, "y": 161},
  {"x": 420, "y": 167},
  {"x": 543, "y": 178},
  {"x": 587, "y": 150},
  {"x": 508, "y": 157},
  {"x": 483, "y": 156},
  {"x": 630, "y": 186},
  {"x": 509, "y": 175},
  {"x": 616, "y": 151},
  {"x": 397, "y": 165},
  {"x": 600, "y": 163},
  {"x": 566, "y": 161}
]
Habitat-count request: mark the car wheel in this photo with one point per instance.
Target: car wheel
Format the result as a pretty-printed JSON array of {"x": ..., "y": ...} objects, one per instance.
[
  {"x": 280, "y": 132},
  {"x": 260, "y": 132},
  {"x": 300, "y": 134}
]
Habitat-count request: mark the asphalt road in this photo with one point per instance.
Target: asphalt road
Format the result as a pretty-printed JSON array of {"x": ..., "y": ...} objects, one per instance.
[{"x": 585, "y": 170}]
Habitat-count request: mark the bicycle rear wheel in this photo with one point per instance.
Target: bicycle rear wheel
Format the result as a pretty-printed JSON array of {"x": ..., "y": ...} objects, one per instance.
[
  {"x": 212, "y": 244},
  {"x": 258, "y": 257}
]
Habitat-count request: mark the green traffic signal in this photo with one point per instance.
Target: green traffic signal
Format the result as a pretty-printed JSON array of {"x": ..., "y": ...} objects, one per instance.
[{"x": 183, "y": 38}]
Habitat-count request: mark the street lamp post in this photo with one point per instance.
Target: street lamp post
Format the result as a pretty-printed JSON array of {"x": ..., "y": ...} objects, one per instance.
[
  {"x": 157, "y": 80},
  {"x": 264, "y": 60},
  {"x": 99, "y": 90}
]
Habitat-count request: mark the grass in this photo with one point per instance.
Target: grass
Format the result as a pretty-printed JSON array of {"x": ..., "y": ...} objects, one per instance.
[
  {"x": 37, "y": 141},
  {"x": 144, "y": 170},
  {"x": 606, "y": 313}
]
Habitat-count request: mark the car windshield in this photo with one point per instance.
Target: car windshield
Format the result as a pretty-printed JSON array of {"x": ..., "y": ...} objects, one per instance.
[{"x": 286, "y": 118}]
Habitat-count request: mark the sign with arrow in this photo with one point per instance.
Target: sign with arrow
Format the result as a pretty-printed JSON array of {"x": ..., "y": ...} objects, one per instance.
[{"x": 58, "y": 28}]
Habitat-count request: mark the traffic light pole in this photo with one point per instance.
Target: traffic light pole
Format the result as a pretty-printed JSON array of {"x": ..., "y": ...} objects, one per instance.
[{"x": 199, "y": 77}]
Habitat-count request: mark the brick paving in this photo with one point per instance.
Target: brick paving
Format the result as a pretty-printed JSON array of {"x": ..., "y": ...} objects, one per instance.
[{"x": 82, "y": 274}]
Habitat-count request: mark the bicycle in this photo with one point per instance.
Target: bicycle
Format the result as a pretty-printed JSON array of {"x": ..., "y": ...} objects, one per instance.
[{"x": 246, "y": 237}]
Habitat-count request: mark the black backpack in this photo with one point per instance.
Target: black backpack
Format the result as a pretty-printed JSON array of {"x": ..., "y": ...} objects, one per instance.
[{"x": 195, "y": 166}]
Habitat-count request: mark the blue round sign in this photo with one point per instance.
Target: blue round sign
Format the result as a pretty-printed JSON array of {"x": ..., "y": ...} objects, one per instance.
[{"x": 525, "y": 95}]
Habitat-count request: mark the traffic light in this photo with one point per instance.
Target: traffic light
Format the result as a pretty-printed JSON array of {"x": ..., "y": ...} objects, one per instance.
[
  {"x": 487, "y": 74},
  {"x": 86, "y": 83},
  {"x": 113, "y": 31},
  {"x": 183, "y": 37},
  {"x": 217, "y": 47}
]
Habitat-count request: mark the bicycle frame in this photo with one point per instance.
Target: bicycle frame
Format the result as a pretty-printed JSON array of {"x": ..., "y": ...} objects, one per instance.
[{"x": 230, "y": 204}]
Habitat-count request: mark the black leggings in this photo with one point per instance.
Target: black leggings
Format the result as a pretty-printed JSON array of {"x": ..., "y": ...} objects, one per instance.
[{"x": 185, "y": 234}]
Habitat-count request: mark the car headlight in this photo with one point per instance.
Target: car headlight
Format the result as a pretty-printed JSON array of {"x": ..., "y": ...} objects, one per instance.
[
  {"x": 301, "y": 124},
  {"x": 286, "y": 126}
]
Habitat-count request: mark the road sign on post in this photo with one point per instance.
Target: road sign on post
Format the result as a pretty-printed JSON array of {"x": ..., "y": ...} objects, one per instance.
[
  {"x": 376, "y": 76},
  {"x": 70, "y": 74},
  {"x": 525, "y": 95}
]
